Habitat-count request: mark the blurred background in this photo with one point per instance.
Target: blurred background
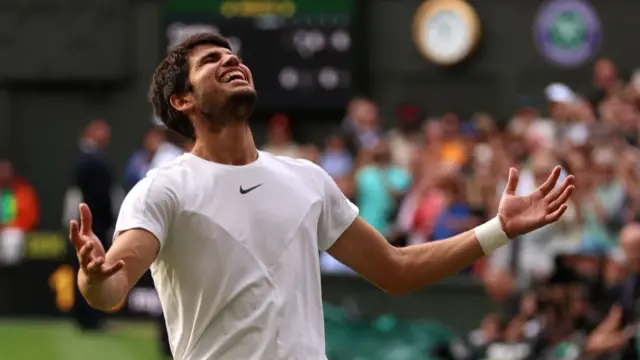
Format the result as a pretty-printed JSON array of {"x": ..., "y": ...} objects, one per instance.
[{"x": 416, "y": 108}]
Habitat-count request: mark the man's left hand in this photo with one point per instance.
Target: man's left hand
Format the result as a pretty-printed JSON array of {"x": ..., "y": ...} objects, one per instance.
[{"x": 523, "y": 214}]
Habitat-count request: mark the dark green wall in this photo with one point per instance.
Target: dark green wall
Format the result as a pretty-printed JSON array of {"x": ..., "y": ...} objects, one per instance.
[
  {"x": 458, "y": 302},
  {"x": 46, "y": 113}
]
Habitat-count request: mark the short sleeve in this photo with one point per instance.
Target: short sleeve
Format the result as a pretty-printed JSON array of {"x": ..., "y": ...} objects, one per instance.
[
  {"x": 150, "y": 206},
  {"x": 338, "y": 213}
]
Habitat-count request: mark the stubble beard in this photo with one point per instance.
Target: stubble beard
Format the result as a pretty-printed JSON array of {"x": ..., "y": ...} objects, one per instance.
[{"x": 236, "y": 108}]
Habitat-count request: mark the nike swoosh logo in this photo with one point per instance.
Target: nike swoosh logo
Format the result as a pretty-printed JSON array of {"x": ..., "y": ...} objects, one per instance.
[{"x": 245, "y": 191}]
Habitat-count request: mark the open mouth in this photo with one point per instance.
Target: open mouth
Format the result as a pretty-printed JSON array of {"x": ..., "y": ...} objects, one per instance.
[{"x": 235, "y": 75}]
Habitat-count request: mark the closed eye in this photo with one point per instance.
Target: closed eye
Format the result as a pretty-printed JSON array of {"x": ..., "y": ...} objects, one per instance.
[{"x": 209, "y": 58}]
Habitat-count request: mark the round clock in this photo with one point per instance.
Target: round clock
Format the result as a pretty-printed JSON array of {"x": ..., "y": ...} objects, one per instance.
[{"x": 446, "y": 32}]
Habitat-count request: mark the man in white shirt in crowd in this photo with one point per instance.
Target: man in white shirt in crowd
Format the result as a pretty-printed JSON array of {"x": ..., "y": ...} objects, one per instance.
[
  {"x": 172, "y": 148},
  {"x": 232, "y": 234}
]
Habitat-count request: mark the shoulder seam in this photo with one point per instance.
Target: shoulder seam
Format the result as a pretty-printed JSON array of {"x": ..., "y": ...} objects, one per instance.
[{"x": 151, "y": 183}]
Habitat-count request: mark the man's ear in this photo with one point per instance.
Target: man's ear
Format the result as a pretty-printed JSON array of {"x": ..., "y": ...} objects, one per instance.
[{"x": 182, "y": 102}]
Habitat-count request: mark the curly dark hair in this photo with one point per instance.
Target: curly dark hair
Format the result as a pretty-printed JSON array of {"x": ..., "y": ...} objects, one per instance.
[{"x": 172, "y": 77}]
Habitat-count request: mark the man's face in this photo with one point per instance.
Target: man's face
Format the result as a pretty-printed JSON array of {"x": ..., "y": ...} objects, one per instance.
[
  {"x": 366, "y": 116},
  {"x": 102, "y": 133},
  {"x": 558, "y": 110},
  {"x": 222, "y": 87},
  {"x": 335, "y": 143},
  {"x": 605, "y": 73}
]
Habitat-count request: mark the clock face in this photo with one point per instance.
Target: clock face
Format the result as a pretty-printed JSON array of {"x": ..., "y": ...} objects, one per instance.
[
  {"x": 446, "y": 31},
  {"x": 446, "y": 36}
]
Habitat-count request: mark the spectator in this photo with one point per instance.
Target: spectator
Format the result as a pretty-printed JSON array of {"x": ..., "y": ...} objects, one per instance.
[
  {"x": 452, "y": 149},
  {"x": 171, "y": 148},
  {"x": 19, "y": 213},
  {"x": 279, "y": 140},
  {"x": 604, "y": 340},
  {"x": 442, "y": 143},
  {"x": 422, "y": 205},
  {"x": 602, "y": 205},
  {"x": 605, "y": 81},
  {"x": 140, "y": 161},
  {"x": 362, "y": 125},
  {"x": 530, "y": 128},
  {"x": 628, "y": 172},
  {"x": 379, "y": 186},
  {"x": 403, "y": 140},
  {"x": 456, "y": 215},
  {"x": 19, "y": 206},
  {"x": 629, "y": 298},
  {"x": 336, "y": 159},
  {"x": 94, "y": 176},
  {"x": 310, "y": 152},
  {"x": 94, "y": 179},
  {"x": 615, "y": 269}
]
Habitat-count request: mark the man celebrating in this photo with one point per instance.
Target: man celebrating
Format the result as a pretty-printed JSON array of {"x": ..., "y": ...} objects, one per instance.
[{"x": 232, "y": 234}]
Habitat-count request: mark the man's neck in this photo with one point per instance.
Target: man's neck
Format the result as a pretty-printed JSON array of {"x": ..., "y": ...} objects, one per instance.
[{"x": 232, "y": 145}]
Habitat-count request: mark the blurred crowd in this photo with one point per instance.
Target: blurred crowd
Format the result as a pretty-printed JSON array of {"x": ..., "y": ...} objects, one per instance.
[
  {"x": 431, "y": 177},
  {"x": 563, "y": 290}
]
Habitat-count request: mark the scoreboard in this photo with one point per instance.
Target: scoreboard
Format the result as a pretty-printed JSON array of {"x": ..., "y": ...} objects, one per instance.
[{"x": 299, "y": 51}]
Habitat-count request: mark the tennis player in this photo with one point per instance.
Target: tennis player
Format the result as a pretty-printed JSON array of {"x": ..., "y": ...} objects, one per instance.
[{"x": 232, "y": 234}]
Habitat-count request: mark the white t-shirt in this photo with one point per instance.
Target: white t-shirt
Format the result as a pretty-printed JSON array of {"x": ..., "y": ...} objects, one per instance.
[{"x": 238, "y": 271}]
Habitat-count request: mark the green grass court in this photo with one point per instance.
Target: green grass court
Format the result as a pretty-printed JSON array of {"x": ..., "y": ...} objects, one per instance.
[{"x": 60, "y": 340}]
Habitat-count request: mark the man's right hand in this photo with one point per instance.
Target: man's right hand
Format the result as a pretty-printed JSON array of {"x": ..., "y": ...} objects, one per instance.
[{"x": 91, "y": 254}]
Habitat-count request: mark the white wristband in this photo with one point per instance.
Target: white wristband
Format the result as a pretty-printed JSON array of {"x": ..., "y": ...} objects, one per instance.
[{"x": 491, "y": 236}]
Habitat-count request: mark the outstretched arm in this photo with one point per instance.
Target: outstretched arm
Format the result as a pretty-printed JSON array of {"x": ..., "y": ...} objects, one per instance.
[
  {"x": 401, "y": 270},
  {"x": 135, "y": 250},
  {"x": 142, "y": 227}
]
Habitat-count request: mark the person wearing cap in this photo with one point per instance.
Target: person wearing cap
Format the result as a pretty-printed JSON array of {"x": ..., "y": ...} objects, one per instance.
[
  {"x": 558, "y": 93},
  {"x": 575, "y": 114}
]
